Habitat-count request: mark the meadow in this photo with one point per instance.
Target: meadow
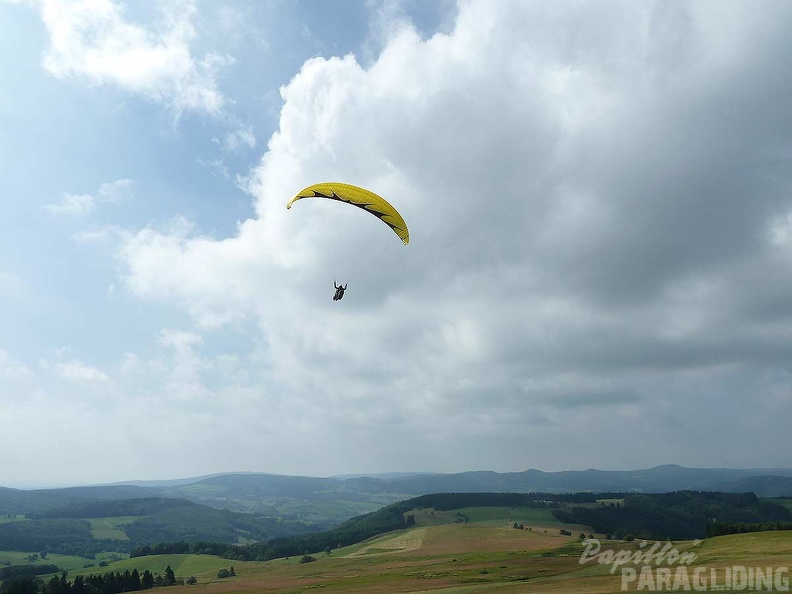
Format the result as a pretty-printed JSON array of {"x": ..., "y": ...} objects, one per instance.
[
  {"x": 441, "y": 553},
  {"x": 454, "y": 551},
  {"x": 467, "y": 558}
]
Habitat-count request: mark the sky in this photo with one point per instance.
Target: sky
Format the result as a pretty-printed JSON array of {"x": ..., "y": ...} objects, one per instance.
[{"x": 599, "y": 273}]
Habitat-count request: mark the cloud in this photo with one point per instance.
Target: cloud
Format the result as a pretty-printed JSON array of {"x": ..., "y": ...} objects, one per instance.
[
  {"x": 115, "y": 191},
  {"x": 571, "y": 192},
  {"x": 78, "y": 205},
  {"x": 216, "y": 167},
  {"x": 82, "y": 204},
  {"x": 75, "y": 370},
  {"x": 79, "y": 372},
  {"x": 98, "y": 236},
  {"x": 12, "y": 370},
  {"x": 93, "y": 40},
  {"x": 240, "y": 138},
  {"x": 598, "y": 203}
]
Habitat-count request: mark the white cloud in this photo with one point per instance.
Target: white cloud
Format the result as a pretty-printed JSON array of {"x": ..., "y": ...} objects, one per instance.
[
  {"x": 72, "y": 204},
  {"x": 593, "y": 246},
  {"x": 240, "y": 138},
  {"x": 116, "y": 191},
  {"x": 517, "y": 148},
  {"x": 93, "y": 40},
  {"x": 217, "y": 167},
  {"x": 76, "y": 371},
  {"x": 82, "y": 204}
]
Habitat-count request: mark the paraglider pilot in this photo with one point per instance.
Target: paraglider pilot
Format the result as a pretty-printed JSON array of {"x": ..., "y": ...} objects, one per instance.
[{"x": 339, "y": 294}]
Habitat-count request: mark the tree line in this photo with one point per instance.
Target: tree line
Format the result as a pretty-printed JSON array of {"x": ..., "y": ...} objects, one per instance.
[
  {"x": 67, "y": 531},
  {"x": 107, "y": 583},
  {"x": 679, "y": 515},
  {"x": 724, "y": 528}
]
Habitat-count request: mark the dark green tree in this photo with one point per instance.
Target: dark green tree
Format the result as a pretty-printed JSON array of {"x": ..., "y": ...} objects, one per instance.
[
  {"x": 23, "y": 584},
  {"x": 135, "y": 580},
  {"x": 147, "y": 581},
  {"x": 170, "y": 577}
]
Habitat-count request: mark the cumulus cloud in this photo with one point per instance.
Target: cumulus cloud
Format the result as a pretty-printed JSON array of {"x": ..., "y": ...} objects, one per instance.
[
  {"x": 82, "y": 204},
  {"x": 94, "y": 40},
  {"x": 597, "y": 201},
  {"x": 72, "y": 204},
  {"x": 115, "y": 191},
  {"x": 77, "y": 371},
  {"x": 74, "y": 370}
]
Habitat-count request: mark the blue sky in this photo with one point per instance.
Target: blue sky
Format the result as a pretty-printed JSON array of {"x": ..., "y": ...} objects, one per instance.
[{"x": 600, "y": 210}]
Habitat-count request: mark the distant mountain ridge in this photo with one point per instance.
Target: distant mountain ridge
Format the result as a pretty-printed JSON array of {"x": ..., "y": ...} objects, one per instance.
[
  {"x": 669, "y": 477},
  {"x": 333, "y": 499},
  {"x": 767, "y": 486}
]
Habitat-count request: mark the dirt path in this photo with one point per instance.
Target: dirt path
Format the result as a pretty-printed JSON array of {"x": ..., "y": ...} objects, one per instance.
[{"x": 409, "y": 541}]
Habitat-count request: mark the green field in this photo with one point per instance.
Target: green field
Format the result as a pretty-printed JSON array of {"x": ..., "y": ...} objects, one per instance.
[
  {"x": 451, "y": 558},
  {"x": 110, "y": 528},
  {"x": 441, "y": 554},
  {"x": 68, "y": 562},
  {"x": 16, "y": 518},
  {"x": 785, "y": 501},
  {"x": 202, "y": 567},
  {"x": 466, "y": 558},
  {"x": 538, "y": 517}
]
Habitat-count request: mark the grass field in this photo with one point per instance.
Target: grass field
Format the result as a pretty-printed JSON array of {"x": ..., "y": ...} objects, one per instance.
[
  {"x": 785, "y": 501},
  {"x": 485, "y": 555},
  {"x": 467, "y": 558},
  {"x": 202, "y": 567},
  {"x": 4, "y": 519},
  {"x": 502, "y": 516},
  {"x": 110, "y": 528}
]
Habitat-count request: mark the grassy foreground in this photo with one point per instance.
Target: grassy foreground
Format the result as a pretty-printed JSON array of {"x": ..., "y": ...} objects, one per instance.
[
  {"x": 485, "y": 554},
  {"x": 467, "y": 558}
]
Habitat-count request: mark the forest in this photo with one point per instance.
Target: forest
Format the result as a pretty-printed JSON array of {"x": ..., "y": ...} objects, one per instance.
[{"x": 677, "y": 516}]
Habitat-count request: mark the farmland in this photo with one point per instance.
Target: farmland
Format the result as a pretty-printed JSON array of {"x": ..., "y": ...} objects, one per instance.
[{"x": 441, "y": 554}]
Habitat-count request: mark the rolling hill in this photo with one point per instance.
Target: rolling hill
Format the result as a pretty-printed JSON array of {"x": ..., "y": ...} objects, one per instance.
[
  {"x": 86, "y": 527},
  {"x": 484, "y": 554},
  {"x": 326, "y": 501}
]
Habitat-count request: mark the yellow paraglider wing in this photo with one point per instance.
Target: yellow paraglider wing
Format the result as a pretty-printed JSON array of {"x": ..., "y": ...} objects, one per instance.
[{"x": 361, "y": 198}]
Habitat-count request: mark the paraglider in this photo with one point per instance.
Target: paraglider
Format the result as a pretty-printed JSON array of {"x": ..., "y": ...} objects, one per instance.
[
  {"x": 362, "y": 198},
  {"x": 339, "y": 294}
]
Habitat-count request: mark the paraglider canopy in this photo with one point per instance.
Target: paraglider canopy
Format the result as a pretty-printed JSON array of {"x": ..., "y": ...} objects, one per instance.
[{"x": 360, "y": 197}]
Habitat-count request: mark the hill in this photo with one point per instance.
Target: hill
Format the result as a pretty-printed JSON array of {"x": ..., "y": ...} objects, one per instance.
[
  {"x": 19, "y": 501},
  {"x": 679, "y": 515},
  {"x": 685, "y": 514},
  {"x": 86, "y": 528},
  {"x": 459, "y": 558},
  {"x": 659, "y": 479},
  {"x": 766, "y": 486},
  {"x": 323, "y": 502}
]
